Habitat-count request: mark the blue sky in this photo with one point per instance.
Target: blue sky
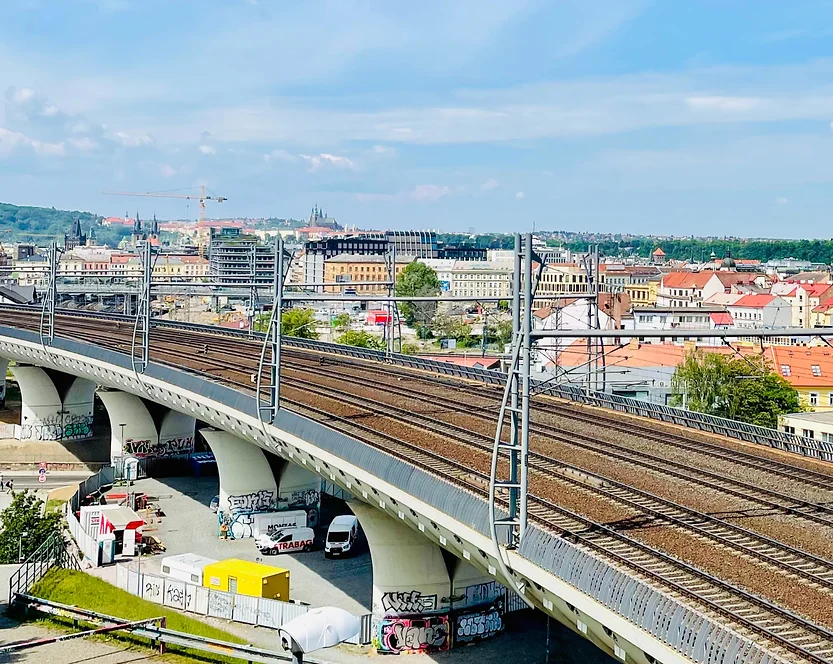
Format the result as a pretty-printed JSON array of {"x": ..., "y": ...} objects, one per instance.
[{"x": 672, "y": 116}]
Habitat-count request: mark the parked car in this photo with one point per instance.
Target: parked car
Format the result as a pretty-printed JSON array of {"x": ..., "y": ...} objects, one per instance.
[
  {"x": 214, "y": 505},
  {"x": 286, "y": 540},
  {"x": 341, "y": 536}
]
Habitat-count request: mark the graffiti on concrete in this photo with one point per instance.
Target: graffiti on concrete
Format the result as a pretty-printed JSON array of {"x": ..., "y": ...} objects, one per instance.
[
  {"x": 410, "y": 601},
  {"x": 144, "y": 447},
  {"x": 303, "y": 499},
  {"x": 257, "y": 501},
  {"x": 220, "y": 605},
  {"x": 483, "y": 593},
  {"x": 152, "y": 589},
  {"x": 482, "y": 624},
  {"x": 413, "y": 635},
  {"x": 67, "y": 426}
]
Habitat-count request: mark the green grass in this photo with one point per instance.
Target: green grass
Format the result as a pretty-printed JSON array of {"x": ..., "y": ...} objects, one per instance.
[
  {"x": 54, "y": 505},
  {"x": 88, "y": 592}
]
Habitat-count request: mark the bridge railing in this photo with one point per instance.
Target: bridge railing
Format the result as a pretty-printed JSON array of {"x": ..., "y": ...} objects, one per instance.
[{"x": 752, "y": 433}]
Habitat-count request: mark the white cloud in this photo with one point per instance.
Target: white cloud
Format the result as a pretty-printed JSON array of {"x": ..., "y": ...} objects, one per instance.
[
  {"x": 166, "y": 170},
  {"x": 133, "y": 140},
  {"x": 383, "y": 150},
  {"x": 208, "y": 149},
  {"x": 727, "y": 104},
  {"x": 489, "y": 184},
  {"x": 428, "y": 192},
  {"x": 319, "y": 161},
  {"x": 421, "y": 192},
  {"x": 781, "y": 201},
  {"x": 280, "y": 155},
  {"x": 11, "y": 141},
  {"x": 520, "y": 195},
  {"x": 83, "y": 144}
]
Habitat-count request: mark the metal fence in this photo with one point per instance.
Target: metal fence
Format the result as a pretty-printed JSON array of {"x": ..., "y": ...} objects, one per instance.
[
  {"x": 52, "y": 553},
  {"x": 258, "y": 611}
]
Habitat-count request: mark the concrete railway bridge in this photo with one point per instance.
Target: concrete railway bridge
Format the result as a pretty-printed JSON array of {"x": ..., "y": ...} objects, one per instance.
[{"x": 656, "y": 541}]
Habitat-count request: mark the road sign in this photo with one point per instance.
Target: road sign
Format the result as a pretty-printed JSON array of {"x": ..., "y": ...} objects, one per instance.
[
  {"x": 42, "y": 478},
  {"x": 42, "y": 466}
]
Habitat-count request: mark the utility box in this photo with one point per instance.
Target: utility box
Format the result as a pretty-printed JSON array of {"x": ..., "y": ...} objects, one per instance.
[{"x": 247, "y": 578}]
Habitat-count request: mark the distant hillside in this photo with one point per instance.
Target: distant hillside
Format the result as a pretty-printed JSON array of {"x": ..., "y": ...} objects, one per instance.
[{"x": 18, "y": 223}]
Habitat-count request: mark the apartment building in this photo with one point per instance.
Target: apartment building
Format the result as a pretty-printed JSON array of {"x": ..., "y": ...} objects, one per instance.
[
  {"x": 565, "y": 279},
  {"x": 760, "y": 311},
  {"x": 237, "y": 257},
  {"x": 809, "y": 370},
  {"x": 691, "y": 289},
  {"x": 353, "y": 269}
]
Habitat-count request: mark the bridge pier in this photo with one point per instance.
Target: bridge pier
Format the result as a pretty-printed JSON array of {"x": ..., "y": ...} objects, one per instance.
[
  {"x": 54, "y": 405},
  {"x": 248, "y": 484},
  {"x": 141, "y": 429},
  {"x": 424, "y": 599},
  {"x": 4, "y": 367}
]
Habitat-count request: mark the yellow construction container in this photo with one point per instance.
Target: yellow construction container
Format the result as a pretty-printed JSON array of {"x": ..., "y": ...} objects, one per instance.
[{"x": 247, "y": 578}]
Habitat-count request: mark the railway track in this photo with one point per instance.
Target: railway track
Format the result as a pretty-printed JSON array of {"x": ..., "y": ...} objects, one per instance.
[{"x": 784, "y": 631}]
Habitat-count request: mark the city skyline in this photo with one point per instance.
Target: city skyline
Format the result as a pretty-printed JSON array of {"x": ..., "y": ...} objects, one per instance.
[{"x": 632, "y": 117}]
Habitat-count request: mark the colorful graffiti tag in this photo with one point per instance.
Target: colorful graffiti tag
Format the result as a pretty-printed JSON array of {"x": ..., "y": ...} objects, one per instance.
[
  {"x": 474, "y": 625},
  {"x": 148, "y": 448},
  {"x": 66, "y": 426},
  {"x": 401, "y": 634},
  {"x": 410, "y": 601}
]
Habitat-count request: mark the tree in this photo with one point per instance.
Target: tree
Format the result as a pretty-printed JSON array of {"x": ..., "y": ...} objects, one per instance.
[
  {"x": 25, "y": 515},
  {"x": 417, "y": 280},
  {"x": 410, "y": 349},
  {"x": 451, "y": 327},
  {"x": 341, "y": 322},
  {"x": 742, "y": 389},
  {"x": 361, "y": 339},
  {"x": 502, "y": 332},
  {"x": 299, "y": 323}
]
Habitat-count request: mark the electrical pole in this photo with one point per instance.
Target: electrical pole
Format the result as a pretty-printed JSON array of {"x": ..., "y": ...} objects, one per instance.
[
  {"x": 47, "y": 320},
  {"x": 142, "y": 323}
]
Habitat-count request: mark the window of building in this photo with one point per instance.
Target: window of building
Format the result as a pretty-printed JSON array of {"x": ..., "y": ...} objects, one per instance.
[
  {"x": 785, "y": 369},
  {"x": 814, "y": 398},
  {"x": 830, "y": 398},
  {"x": 827, "y": 437},
  {"x": 816, "y": 370},
  {"x": 808, "y": 433}
]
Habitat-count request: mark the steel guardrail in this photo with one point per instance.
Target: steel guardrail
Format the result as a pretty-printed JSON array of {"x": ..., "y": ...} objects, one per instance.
[
  {"x": 157, "y": 634},
  {"x": 752, "y": 433}
]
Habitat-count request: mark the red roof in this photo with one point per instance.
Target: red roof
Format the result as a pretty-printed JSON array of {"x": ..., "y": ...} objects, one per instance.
[
  {"x": 468, "y": 361},
  {"x": 722, "y": 318},
  {"x": 816, "y": 290},
  {"x": 754, "y": 301},
  {"x": 658, "y": 252},
  {"x": 686, "y": 279}
]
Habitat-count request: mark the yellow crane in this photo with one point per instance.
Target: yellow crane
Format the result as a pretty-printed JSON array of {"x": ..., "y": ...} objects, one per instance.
[{"x": 202, "y": 197}]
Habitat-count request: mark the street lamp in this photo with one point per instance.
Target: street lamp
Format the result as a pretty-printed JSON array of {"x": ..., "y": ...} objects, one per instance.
[{"x": 20, "y": 546}]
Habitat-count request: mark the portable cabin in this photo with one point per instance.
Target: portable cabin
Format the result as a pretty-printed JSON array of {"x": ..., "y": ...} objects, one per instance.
[
  {"x": 247, "y": 578},
  {"x": 186, "y": 567}
]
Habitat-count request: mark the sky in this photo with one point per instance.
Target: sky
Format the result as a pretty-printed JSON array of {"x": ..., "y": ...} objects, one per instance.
[{"x": 685, "y": 117}]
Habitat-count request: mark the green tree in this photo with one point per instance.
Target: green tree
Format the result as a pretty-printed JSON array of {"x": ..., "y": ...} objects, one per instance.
[
  {"x": 341, "y": 322},
  {"x": 299, "y": 323},
  {"x": 25, "y": 515},
  {"x": 417, "y": 280},
  {"x": 742, "y": 389},
  {"x": 410, "y": 349},
  {"x": 451, "y": 327},
  {"x": 361, "y": 339},
  {"x": 502, "y": 332}
]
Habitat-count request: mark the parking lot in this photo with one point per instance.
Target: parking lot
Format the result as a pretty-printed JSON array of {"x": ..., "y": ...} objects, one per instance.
[{"x": 189, "y": 526}]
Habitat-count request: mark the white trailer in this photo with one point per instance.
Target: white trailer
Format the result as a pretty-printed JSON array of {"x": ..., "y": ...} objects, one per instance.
[
  {"x": 265, "y": 523},
  {"x": 186, "y": 567}
]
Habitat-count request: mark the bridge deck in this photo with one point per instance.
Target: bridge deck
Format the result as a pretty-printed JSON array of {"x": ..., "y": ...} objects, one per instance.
[{"x": 737, "y": 517}]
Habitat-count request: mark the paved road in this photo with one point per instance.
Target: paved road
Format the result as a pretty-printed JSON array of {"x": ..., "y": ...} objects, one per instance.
[{"x": 28, "y": 479}]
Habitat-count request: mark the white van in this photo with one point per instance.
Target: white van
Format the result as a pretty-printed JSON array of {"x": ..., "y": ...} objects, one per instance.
[
  {"x": 286, "y": 540},
  {"x": 266, "y": 523},
  {"x": 186, "y": 567},
  {"x": 341, "y": 536}
]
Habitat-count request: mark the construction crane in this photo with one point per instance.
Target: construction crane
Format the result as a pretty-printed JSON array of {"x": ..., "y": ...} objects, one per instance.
[{"x": 202, "y": 197}]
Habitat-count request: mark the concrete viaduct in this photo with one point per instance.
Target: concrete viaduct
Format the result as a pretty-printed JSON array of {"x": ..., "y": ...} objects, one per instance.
[{"x": 435, "y": 568}]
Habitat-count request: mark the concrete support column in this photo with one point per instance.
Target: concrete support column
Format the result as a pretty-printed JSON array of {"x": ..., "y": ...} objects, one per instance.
[
  {"x": 55, "y": 406},
  {"x": 136, "y": 431},
  {"x": 300, "y": 489},
  {"x": 247, "y": 485},
  {"x": 4, "y": 367},
  {"x": 411, "y": 585}
]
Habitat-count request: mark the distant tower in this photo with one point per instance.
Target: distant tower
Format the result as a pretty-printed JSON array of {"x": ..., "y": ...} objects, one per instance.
[
  {"x": 91, "y": 241},
  {"x": 75, "y": 237},
  {"x": 154, "y": 229},
  {"x": 137, "y": 225}
]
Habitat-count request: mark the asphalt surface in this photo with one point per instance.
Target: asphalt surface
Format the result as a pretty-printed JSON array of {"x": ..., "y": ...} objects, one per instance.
[{"x": 28, "y": 479}]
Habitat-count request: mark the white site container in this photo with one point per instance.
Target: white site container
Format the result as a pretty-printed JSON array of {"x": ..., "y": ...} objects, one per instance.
[{"x": 186, "y": 567}]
